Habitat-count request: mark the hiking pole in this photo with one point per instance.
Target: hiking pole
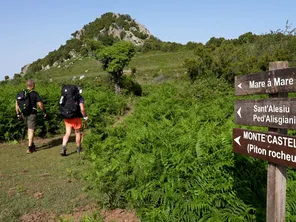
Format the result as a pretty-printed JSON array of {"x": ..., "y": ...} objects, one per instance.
[{"x": 82, "y": 133}]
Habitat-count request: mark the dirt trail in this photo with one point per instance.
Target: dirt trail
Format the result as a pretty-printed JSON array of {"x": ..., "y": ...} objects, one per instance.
[
  {"x": 117, "y": 215},
  {"x": 44, "y": 179},
  {"x": 127, "y": 112}
]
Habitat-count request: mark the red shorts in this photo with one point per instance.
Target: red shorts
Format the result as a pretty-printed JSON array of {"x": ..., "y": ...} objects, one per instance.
[{"x": 75, "y": 123}]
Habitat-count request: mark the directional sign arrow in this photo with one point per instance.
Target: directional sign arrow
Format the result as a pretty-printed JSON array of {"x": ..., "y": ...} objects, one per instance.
[
  {"x": 255, "y": 144},
  {"x": 237, "y": 140},
  {"x": 239, "y": 112},
  {"x": 271, "y": 112},
  {"x": 255, "y": 83}
]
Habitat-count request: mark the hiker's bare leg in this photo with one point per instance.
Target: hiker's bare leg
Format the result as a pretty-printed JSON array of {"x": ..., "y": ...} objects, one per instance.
[
  {"x": 67, "y": 135},
  {"x": 30, "y": 137},
  {"x": 78, "y": 137}
]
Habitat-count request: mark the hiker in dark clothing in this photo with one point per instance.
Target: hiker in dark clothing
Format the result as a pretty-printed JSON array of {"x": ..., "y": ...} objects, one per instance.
[{"x": 26, "y": 109}]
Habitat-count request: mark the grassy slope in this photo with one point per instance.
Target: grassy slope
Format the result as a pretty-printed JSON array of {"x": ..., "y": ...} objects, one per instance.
[
  {"x": 149, "y": 66},
  {"x": 87, "y": 66},
  {"x": 40, "y": 182},
  {"x": 23, "y": 177}
]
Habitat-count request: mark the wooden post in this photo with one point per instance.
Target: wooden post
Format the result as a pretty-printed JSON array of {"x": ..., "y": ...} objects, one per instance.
[{"x": 276, "y": 175}]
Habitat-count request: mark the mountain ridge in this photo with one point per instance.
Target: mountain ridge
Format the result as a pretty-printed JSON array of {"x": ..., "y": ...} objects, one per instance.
[
  {"x": 119, "y": 30},
  {"x": 103, "y": 31}
]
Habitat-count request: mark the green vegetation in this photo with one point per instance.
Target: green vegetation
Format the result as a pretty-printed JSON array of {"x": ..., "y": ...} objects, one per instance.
[
  {"x": 114, "y": 58},
  {"x": 173, "y": 159},
  {"x": 248, "y": 54},
  {"x": 102, "y": 105},
  {"x": 90, "y": 40},
  {"x": 170, "y": 156},
  {"x": 41, "y": 182}
]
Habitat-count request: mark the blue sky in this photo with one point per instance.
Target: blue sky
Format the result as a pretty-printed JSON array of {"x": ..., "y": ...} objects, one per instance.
[{"x": 29, "y": 29}]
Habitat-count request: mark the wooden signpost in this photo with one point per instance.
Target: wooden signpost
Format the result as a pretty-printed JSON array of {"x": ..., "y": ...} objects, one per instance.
[
  {"x": 272, "y": 147},
  {"x": 270, "y": 82},
  {"x": 275, "y": 112},
  {"x": 278, "y": 113}
]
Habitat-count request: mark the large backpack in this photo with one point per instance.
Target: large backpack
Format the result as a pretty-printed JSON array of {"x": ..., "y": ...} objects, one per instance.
[
  {"x": 69, "y": 102},
  {"x": 24, "y": 102}
]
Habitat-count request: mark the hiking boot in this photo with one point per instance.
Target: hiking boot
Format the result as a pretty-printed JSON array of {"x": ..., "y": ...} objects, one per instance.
[
  {"x": 34, "y": 147},
  {"x": 79, "y": 150},
  {"x": 64, "y": 152},
  {"x": 30, "y": 150}
]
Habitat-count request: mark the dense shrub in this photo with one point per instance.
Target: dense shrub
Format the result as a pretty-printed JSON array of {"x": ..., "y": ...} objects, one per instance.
[
  {"x": 101, "y": 104},
  {"x": 249, "y": 53},
  {"x": 173, "y": 159},
  {"x": 131, "y": 86}
]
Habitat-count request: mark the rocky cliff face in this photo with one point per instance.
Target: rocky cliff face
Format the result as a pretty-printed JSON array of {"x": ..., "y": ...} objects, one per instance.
[
  {"x": 24, "y": 69},
  {"x": 127, "y": 30}
]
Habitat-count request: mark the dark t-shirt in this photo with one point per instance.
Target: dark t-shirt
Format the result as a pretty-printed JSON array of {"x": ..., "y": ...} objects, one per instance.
[{"x": 34, "y": 98}]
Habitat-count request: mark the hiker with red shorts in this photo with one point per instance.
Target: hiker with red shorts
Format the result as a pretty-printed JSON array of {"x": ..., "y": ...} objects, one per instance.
[{"x": 72, "y": 110}]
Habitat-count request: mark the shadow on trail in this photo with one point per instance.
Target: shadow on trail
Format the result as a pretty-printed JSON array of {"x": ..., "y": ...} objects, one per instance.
[
  {"x": 74, "y": 152},
  {"x": 55, "y": 142}
]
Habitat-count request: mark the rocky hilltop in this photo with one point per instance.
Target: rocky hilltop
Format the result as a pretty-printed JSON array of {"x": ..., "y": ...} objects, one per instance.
[
  {"x": 104, "y": 31},
  {"x": 116, "y": 25}
]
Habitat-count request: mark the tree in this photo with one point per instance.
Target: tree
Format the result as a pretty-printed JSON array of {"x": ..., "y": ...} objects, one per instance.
[
  {"x": 6, "y": 78},
  {"x": 17, "y": 76},
  {"x": 248, "y": 37},
  {"x": 200, "y": 64},
  {"x": 114, "y": 59}
]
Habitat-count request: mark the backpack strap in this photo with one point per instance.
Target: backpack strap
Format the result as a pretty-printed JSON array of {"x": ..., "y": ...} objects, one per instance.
[{"x": 27, "y": 93}]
